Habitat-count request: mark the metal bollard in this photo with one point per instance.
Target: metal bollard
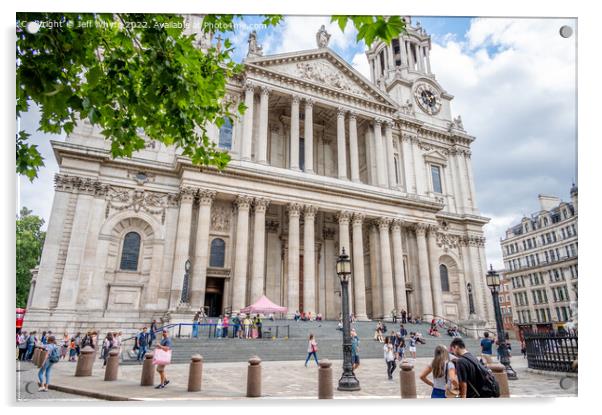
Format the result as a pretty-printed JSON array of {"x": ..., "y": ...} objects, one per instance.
[
  {"x": 41, "y": 357},
  {"x": 407, "y": 380},
  {"x": 195, "y": 373},
  {"x": 254, "y": 378},
  {"x": 112, "y": 365},
  {"x": 35, "y": 356},
  {"x": 85, "y": 362},
  {"x": 325, "y": 388},
  {"x": 499, "y": 371},
  {"x": 148, "y": 371}
]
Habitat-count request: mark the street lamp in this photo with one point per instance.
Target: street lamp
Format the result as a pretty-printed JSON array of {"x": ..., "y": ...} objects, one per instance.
[
  {"x": 348, "y": 381},
  {"x": 493, "y": 282}
]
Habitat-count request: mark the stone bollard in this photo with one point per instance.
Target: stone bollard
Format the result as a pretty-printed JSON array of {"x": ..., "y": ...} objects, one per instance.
[
  {"x": 35, "y": 356},
  {"x": 325, "y": 388},
  {"x": 499, "y": 371},
  {"x": 112, "y": 365},
  {"x": 195, "y": 373},
  {"x": 407, "y": 380},
  {"x": 254, "y": 378},
  {"x": 85, "y": 362},
  {"x": 41, "y": 357},
  {"x": 148, "y": 371}
]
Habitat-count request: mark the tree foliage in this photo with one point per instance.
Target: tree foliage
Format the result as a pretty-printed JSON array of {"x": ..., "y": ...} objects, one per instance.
[
  {"x": 130, "y": 74},
  {"x": 30, "y": 240}
]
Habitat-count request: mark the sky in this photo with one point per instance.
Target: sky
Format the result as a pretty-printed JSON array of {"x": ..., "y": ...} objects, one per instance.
[{"x": 514, "y": 84}]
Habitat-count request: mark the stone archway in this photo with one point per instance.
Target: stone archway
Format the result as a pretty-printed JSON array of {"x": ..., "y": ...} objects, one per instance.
[{"x": 452, "y": 300}]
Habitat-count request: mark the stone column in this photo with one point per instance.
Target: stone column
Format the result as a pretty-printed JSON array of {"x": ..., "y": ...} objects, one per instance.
[
  {"x": 247, "y": 133},
  {"x": 471, "y": 186},
  {"x": 423, "y": 269},
  {"x": 331, "y": 279},
  {"x": 309, "y": 136},
  {"x": 309, "y": 260},
  {"x": 182, "y": 252},
  {"x": 52, "y": 243},
  {"x": 401, "y": 302},
  {"x": 239, "y": 283},
  {"x": 434, "y": 269},
  {"x": 358, "y": 268},
  {"x": 294, "y": 164},
  {"x": 388, "y": 293},
  {"x": 462, "y": 180},
  {"x": 375, "y": 274},
  {"x": 344, "y": 217},
  {"x": 489, "y": 313},
  {"x": 381, "y": 161},
  {"x": 428, "y": 61},
  {"x": 353, "y": 148},
  {"x": 77, "y": 245},
  {"x": 294, "y": 210},
  {"x": 258, "y": 275},
  {"x": 341, "y": 145},
  {"x": 477, "y": 277},
  {"x": 390, "y": 154},
  {"x": 262, "y": 142},
  {"x": 201, "y": 255}
]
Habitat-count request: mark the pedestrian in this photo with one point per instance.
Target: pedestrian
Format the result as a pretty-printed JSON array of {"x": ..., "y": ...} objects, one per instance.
[
  {"x": 401, "y": 348},
  {"x": 72, "y": 350},
  {"x": 247, "y": 327},
  {"x": 22, "y": 345},
  {"x": 117, "y": 341},
  {"x": 219, "y": 327},
  {"x": 153, "y": 333},
  {"x": 402, "y": 331},
  {"x": 487, "y": 348},
  {"x": 444, "y": 374},
  {"x": 394, "y": 315},
  {"x": 474, "y": 379},
  {"x": 312, "y": 349},
  {"x": 78, "y": 342},
  {"x": 65, "y": 345},
  {"x": 259, "y": 325},
  {"x": 107, "y": 345},
  {"x": 53, "y": 355},
  {"x": 404, "y": 315},
  {"x": 87, "y": 340},
  {"x": 225, "y": 323},
  {"x": 31, "y": 343},
  {"x": 236, "y": 324},
  {"x": 389, "y": 356},
  {"x": 166, "y": 345},
  {"x": 355, "y": 350},
  {"x": 44, "y": 338},
  {"x": 195, "y": 326},
  {"x": 523, "y": 349},
  {"x": 143, "y": 342},
  {"x": 412, "y": 344}
]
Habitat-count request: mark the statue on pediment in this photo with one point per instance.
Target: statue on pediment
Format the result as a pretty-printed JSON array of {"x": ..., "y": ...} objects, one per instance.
[
  {"x": 254, "y": 48},
  {"x": 322, "y": 37}
]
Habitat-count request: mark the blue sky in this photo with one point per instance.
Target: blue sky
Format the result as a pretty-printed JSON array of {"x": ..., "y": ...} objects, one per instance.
[{"x": 514, "y": 83}]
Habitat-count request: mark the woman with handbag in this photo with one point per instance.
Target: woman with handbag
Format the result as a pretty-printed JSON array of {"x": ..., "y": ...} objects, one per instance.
[
  {"x": 162, "y": 357},
  {"x": 445, "y": 382},
  {"x": 312, "y": 349}
]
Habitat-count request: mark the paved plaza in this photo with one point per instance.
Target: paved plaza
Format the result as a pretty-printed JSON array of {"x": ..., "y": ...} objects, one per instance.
[{"x": 280, "y": 380}]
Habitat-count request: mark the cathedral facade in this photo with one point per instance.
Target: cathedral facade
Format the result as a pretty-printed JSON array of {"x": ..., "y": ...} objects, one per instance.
[{"x": 322, "y": 160}]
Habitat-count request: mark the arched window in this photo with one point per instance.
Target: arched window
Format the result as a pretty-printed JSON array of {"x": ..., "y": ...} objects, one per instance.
[
  {"x": 218, "y": 253},
  {"x": 130, "y": 252},
  {"x": 225, "y": 135},
  {"x": 444, "y": 278}
]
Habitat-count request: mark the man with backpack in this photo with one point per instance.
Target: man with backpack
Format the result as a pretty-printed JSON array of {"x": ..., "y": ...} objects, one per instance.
[
  {"x": 143, "y": 342},
  {"x": 475, "y": 379}
]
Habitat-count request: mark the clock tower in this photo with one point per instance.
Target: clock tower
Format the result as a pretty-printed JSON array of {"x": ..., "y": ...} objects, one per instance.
[{"x": 403, "y": 70}]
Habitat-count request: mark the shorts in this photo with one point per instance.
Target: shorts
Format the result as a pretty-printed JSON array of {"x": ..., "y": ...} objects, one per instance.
[
  {"x": 160, "y": 368},
  {"x": 412, "y": 349},
  {"x": 355, "y": 360}
]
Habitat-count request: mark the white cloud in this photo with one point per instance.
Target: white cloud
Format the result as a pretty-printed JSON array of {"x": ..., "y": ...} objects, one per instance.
[
  {"x": 494, "y": 230},
  {"x": 298, "y": 33},
  {"x": 360, "y": 62}
]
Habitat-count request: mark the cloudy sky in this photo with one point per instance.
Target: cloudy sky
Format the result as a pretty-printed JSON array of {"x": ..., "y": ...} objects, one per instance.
[{"x": 514, "y": 85}]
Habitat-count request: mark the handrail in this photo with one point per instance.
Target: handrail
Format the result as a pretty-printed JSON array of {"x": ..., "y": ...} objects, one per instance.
[{"x": 461, "y": 327}]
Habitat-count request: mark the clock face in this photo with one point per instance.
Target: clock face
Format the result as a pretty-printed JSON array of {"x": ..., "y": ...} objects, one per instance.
[{"x": 427, "y": 97}]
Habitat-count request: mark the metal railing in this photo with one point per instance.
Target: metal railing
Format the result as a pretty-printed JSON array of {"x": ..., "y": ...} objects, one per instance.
[
  {"x": 551, "y": 351},
  {"x": 427, "y": 318}
]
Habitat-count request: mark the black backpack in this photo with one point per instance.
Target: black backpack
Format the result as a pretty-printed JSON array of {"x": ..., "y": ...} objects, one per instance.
[{"x": 487, "y": 387}]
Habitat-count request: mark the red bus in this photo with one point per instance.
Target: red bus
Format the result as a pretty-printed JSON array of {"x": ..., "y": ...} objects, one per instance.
[{"x": 20, "y": 315}]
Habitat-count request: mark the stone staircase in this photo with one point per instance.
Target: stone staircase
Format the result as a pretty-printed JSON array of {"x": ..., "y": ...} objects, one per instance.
[{"x": 295, "y": 346}]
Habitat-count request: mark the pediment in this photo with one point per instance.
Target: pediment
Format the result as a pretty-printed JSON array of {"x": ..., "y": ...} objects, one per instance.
[
  {"x": 436, "y": 156},
  {"x": 324, "y": 68}
]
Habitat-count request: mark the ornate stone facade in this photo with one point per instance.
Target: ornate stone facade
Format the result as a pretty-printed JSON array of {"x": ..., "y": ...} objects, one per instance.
[{"x": 320, "y": 156}]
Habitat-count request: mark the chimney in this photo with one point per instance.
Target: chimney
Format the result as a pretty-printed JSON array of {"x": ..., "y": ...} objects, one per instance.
[{"x": 548, "y": 202}]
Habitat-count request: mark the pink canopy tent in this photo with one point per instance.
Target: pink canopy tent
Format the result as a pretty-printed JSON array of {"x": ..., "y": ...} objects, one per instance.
[{"x": 264, "y": 306}]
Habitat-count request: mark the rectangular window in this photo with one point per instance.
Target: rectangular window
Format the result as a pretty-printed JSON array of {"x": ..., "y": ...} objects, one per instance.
[
  {"x": 436, "y": 175},
  {"x": 302, "y": 153}
]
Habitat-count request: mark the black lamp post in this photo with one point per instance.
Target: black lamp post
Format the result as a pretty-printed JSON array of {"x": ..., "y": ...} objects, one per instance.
[
  {"x": 493, "y": 282},
  {"x": 348, "y": 381}
]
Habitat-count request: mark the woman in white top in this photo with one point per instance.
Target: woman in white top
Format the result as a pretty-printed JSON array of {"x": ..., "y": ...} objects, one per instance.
[
  {"x": 219, "y": 327},
  {"x": 312, "y": 349},
  {"x": 389, "y": 355},
  {"x": 444, "y": 374}
]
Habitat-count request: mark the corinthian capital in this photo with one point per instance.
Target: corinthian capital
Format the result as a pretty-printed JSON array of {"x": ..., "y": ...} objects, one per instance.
[
  {"x": 310, "y": 211},
  {"x": 397, "y": 224},
  {"x": 243, "y": 201},
  {"x": 250, "y": 87},
  {"x": 294, "y": 209},
  {"x": 187, "y": 193},
  {"x": 383, "y": 223},
  {"x": 420, "y": 229},
  {"x": 341, "y": 112},
  {"x": 265, "y": 91},
  {"x": 358, "y": 219},
  {"x": 206, "y": 196},
  {"x": 261, "y": 204},
  {"x": 344, "y": 217}
]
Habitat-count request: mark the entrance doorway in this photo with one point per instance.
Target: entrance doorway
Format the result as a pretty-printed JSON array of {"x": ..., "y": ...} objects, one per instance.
[{"x": 214, "y": 295}]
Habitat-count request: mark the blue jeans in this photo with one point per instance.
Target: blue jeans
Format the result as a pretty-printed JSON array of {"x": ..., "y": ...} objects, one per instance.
[
  {"x": 236, "y": 329},
  {"x": 438, "y": 393},
  {"x": 141, "y": 352},
  {"x": 218, "y": 332},
  {"x": 29, "y": 353},
  {"x": 195, "y": 330},
  {"x": 46, "y": 368},
  {"x": 309, "y": 356}
]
